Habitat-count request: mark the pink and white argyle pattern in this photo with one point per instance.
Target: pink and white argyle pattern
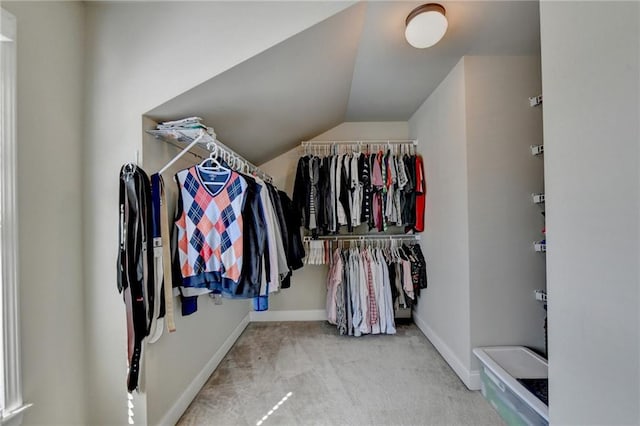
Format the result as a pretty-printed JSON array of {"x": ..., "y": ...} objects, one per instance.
[{"x": 210, "y": 226}]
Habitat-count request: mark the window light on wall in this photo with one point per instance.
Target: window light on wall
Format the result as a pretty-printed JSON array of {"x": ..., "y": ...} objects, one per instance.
[
  {"x": 426, "y": 25},
  {"x": 12, "y": 406}
]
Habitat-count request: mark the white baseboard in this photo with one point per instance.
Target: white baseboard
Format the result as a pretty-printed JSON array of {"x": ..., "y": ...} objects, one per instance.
[
  {"x": 471, "y": 379},
  {"x": 474, "y": 380},
  {"x": 308, "y": 315},
  {"x": 175, "y": 412}
]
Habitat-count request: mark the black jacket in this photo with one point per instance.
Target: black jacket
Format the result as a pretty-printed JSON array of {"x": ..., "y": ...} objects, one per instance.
[
  {"x": 254, "y": 239},
  {"x": 295, "y": 252},
  {"x": 302, "y": 190}
]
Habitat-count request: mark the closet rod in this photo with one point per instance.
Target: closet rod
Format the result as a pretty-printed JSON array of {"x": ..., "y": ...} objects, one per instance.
[
  {"x": 194, "y": 137},
  {"x": 414, "y": 237},
  {"x": 362, "y": 142}
]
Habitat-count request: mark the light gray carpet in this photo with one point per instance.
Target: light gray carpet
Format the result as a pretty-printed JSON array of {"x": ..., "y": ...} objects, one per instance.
[{"x": 334, "y": 380}]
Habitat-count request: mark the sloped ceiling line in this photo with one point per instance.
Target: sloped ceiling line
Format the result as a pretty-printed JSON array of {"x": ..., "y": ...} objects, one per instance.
[
  {"x": 353, "y": 66},
  {"x": 290, "y": 92}
]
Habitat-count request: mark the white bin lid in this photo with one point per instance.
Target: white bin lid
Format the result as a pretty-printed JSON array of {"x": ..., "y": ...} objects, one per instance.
[
  {"x": 516, "y": 362},
  {"x": 519, "y": 362}
]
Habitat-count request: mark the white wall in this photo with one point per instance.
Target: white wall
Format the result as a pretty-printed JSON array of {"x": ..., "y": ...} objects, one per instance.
[
  {"x": 591, "y": 73},
  {"x": 308, "y": 285},
  {"x": 443, "y": 310},
  {"x": 50, "y": 114},
  {"x": 503, "y": 222},
  {"x": 140, "y": 55},
  {"x": 474, "y": 132}
]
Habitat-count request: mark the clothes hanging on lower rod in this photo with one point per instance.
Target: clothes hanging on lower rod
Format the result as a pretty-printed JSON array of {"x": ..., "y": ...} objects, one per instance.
[
  {"x": 365, "y": 286},
  {"x": 378, "y": 189}
]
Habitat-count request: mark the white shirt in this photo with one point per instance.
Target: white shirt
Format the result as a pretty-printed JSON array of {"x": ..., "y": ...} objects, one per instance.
[
  {"x": 342, "y": 216},
  {"x": 364, "y": 296},
  {"x": 354, "y": 270},
  {"x": 387, "y": 313},
  {"x": 356, "y": 200}
]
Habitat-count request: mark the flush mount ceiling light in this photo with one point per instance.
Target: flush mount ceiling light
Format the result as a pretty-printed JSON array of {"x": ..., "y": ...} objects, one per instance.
[{"x": 426, "y": 25}]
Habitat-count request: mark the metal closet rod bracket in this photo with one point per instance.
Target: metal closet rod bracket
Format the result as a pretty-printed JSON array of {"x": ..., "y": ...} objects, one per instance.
[
  {"x": 207, "y": 140},
  {"x": 361, "y": 142},
  {"x": 413, "y": 237}
]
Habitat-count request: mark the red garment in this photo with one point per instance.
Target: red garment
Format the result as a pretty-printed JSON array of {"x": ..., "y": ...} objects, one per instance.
[{"x": 421, "y": 194}]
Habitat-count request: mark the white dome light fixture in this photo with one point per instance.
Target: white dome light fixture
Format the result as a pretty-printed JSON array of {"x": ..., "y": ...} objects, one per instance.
[{"x": 426, "y": 25}]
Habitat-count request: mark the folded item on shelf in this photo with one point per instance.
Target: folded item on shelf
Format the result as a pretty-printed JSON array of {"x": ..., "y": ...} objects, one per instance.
[
  {"x": 183, "y": 126},
  {"x": 181, "y": 123}
]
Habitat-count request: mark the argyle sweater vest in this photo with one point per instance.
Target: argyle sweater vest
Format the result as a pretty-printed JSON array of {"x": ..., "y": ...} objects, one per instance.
[{"x": 209, "y": 224}]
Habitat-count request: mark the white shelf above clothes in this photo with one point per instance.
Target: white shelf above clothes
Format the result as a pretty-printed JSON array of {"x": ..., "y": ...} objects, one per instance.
[
  {"x": 362, "y": 142},
  {"x": 206, "y": 139}
]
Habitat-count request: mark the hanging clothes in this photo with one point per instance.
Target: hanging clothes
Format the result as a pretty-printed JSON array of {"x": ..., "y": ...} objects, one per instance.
[
  {"x": 251, "y": 248},
  {"x": 421, "y": 194},
  {"x": 366, "y": 285},
  {"x": 162, "y": 257},
  {"x": 379, "y": 189},
  {"x": 157, "y": 324},
  {"x": 136, "y": 263},
  {"x": 301, "y": 191},
  {"x": 294, "y": 248},
  {"x": 408, "y": 197},
  {"x": 210, "y": 226},
  {"x": 254, "y": 241},
  {"x": 233, "y": 234}
]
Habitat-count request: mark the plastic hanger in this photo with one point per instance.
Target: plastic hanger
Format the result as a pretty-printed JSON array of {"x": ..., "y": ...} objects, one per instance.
[
  {"x": 396, "y": 253},
  {"x": 212, "y": 160}
]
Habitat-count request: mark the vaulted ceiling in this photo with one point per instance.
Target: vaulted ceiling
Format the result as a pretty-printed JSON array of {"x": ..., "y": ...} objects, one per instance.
[{"x": 354, "y": 66}]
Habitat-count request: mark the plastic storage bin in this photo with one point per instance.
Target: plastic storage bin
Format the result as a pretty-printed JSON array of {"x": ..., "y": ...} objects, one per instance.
[{"x": 501, "y": 367}]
